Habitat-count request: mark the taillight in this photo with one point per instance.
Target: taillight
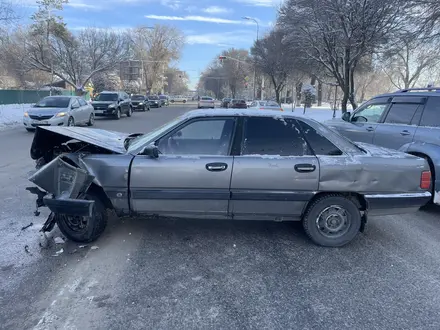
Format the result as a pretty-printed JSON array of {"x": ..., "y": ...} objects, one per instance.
[
  {"x": 261, "y": 108},
  {"x": 425, "y": 180}
]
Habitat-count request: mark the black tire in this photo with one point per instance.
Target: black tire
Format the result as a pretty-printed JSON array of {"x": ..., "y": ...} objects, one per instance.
[
  {"x": 184, "y": 101},
  {"x": 348, "y": 223},
  {"x": 71, "y": 121},
  {"x": 129, "y": 111},
  {"x": 118, "y": 113},
  {"x": 92, "y": 229},
  {"x": 143, "y": 109},
  {"x": 172, "y": 101},
  {"x": 91, "y": 121},
  {"x": 30, "y": 129}
]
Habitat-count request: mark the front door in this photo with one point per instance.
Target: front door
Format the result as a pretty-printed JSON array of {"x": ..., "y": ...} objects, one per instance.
[
  {"x": 276, "y": 174},
  {"x": 363, "y": 122},
  {"x": 191, "y": 176}
]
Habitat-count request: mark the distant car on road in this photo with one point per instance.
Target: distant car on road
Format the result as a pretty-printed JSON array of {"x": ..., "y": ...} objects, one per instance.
[
  {"x": 140, "y": 102},
  {"x": 237, "y": 104},
  {"x": 225, "y": 102},
  {"x": 265, "y": 105},
  {"x": 154, "y": 101},
  {"x": 59, "y": 111},
  {"x": 164, "y": 99},
  {"x": 206, "y": 102},
  {"x": 407, "y": 120},
  {"x": 114, "y": 104},
  {"x": 224, "y": 164},
  {"x": 178, "y": 98}
]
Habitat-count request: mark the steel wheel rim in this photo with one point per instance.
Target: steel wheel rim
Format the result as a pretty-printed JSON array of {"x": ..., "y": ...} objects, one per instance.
[
  {"x": 76, "y": 223},
  {"x": 333, "y": 222}
]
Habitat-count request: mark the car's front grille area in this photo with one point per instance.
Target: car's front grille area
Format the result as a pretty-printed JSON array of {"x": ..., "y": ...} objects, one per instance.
[{"x": 38, "y": 117}]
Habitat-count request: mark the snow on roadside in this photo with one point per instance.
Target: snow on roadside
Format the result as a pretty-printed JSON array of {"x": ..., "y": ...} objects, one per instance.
[
  {"x": 12, "y": 114},
  {"x": 320, "y": 114}
]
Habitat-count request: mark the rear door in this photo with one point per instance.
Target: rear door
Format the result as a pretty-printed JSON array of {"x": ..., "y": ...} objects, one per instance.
[
  {"x": 364, "y": 121},
  {"x": 429, "y": 129},
  {"x": 275, "y": 174},
  {"x": 85, "y": 110},
  {"x": 192, "y": 174},
  {"x": 401, "y": 121}
]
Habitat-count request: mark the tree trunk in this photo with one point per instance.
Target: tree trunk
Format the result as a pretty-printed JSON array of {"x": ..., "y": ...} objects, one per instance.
[
  {"x": 319, "y": 93},
  {"x": 351, "y": 96},
  {"x": 346, "y": 87}
]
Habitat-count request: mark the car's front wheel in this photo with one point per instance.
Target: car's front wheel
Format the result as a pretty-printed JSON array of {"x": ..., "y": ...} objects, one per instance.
[
  {"x": 118, "y": 114},
  {"x": 130, "y": 111},
  {"x": 332, "y": 220},
  {"x": 91, "y": 121},
  {"x": 84, "y": 229},
  {"x": 70, "y": 122}
]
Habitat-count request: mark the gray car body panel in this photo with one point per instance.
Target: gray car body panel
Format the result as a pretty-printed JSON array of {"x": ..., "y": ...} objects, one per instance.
[
  {"x": 414, "y": 139},
  {"x": 255, "y": 186}
]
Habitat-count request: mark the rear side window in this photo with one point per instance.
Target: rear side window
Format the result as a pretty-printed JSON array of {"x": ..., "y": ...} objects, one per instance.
[
  {"x": 319, "y": 144},
  {"x": 402, "y": 113},
  {"x": 271, "y": 136},
  {"x": 431, "y": 114}
]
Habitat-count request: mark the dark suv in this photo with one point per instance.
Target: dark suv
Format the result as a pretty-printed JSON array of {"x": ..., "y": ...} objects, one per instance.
[
  {"x": 407, "y": 120},
  {"x": 112, "y": 104},
  {"x": 140, "y": 102}
]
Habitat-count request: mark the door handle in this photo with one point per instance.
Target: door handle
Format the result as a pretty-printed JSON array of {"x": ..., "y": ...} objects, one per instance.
[
  {"x": 216, "y": 167},
  {"x": 303, "y": 168},
  {"x": 405, "y": 132},
  {"x": 370, "y": 129}
]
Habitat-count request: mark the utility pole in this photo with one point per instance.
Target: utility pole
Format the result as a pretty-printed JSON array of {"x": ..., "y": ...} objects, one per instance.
[{"x": 49, "y": 49}]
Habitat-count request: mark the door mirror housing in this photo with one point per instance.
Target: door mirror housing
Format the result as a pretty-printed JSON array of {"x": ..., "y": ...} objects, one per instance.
[
  {"x": 151, "y": 151},
  {"x": 346, "y": 116}
]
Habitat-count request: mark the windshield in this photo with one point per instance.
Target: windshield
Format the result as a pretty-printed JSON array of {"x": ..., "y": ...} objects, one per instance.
[
  {"x": 53, "y": 102},
  {"x": 163, "y": 97},
  {"x": 153, "y": 97},
  {"x": 142, "y": 140},
  {"x": 138, "y": 97},
  {"x": 107, "y": 97},
  {"x": 206, "y": 98}
]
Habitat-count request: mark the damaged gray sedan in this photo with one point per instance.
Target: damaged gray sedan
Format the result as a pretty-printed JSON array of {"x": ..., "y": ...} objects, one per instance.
[{"x": 223, "y": 164}]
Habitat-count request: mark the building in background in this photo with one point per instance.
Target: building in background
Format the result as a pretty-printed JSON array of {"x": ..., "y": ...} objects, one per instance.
[{"x": 130, "y": 70}]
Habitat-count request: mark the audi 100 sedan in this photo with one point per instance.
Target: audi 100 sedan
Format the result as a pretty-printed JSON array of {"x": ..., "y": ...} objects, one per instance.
[{"x": 224, "y": 164}]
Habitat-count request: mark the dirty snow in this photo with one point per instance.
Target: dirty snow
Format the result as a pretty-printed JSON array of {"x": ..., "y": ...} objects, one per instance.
[
  {"x": 12, "y": 114},
  {"x": 320, "y": 114}
]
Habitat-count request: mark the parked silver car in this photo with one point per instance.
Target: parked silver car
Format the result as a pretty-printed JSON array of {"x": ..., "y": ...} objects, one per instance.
[
  {"x": 224, "y": 164},
  {"x": 59, "y": 111},
  {"x": 265, "y": 105}
]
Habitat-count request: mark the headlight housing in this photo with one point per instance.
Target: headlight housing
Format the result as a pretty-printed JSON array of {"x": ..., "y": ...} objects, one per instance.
[
  {"x": 61, "y": 114},
  {"x": 26, "y": 114},
  {"x": 141, "y": 103},
  {"x": 111, "y": 105}
]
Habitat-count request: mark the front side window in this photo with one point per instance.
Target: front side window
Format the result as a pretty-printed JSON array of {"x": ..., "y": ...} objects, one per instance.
[
  {"x": 401, "y": 113},
  {"x": 272, "y": 136},
  {"x": 371, "y": 113},
  {"x": 82, "y": 102},
  {"x": 75, "y": 104},
  {"x": 199, "y": 137}
]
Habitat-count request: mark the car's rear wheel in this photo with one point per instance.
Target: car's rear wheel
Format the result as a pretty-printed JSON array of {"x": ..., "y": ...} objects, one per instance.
[
  {"x": 71, "y": 122},
  {"x": 91, "y": 121},
  {"x": 332, "y": 220},
  {"x": 84, "y": 229}
]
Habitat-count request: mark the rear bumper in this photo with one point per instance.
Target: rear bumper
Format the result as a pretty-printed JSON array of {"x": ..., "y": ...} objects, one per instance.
[{"x": 388, "y": 204}]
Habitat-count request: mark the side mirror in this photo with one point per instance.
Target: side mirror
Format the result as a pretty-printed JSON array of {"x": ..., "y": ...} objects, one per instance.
[
  {"x": 346, "y": 116},
  {"x": 151, "y": 151}
]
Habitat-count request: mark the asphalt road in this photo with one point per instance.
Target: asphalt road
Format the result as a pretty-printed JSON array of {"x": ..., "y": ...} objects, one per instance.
[{"x": 177, "y": 274}]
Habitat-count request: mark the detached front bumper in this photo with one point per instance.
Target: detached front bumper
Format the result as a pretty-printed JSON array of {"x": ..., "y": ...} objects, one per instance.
[
  {"x": 62, "y": 187},
  {"x": 389, "y": 204}
]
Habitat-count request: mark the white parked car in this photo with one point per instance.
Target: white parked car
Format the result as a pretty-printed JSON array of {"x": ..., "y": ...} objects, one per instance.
[
  {"x": 59, "y": 111},
  {"x": 265, "y": 105},
  {"x": 178, "y": 98},
  {"x": 206, "y": 102}
]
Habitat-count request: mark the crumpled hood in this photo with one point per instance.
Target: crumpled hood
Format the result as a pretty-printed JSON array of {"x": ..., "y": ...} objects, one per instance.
[{"x": 47, "y": 137}]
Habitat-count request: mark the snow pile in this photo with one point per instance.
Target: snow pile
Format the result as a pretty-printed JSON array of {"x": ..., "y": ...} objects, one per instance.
[
  {"x": 12, "y": 114},
  {"x": 320, "y": 114}
]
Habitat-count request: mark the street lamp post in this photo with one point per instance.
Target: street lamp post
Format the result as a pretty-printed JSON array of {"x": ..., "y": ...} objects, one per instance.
[{"x": 258, "y": 28}]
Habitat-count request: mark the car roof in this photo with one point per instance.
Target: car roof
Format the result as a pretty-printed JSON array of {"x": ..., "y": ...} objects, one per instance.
[
  {"x": 407, "y": 94},
  {"x": 60, "y": 96},
  {"x": 242, "y": 113}
]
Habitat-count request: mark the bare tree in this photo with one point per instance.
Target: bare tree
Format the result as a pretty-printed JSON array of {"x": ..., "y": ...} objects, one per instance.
[
  {"x": 76, "y": 59},
  {"x": 410, "y": 60},
  {"x": 274, "y": 59},
  {"x": 177, "y": 81},
  {"x": 156, "y": 48},
  {"x": 338, "y": 34},
  {"x": 106, "y": 80}
]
